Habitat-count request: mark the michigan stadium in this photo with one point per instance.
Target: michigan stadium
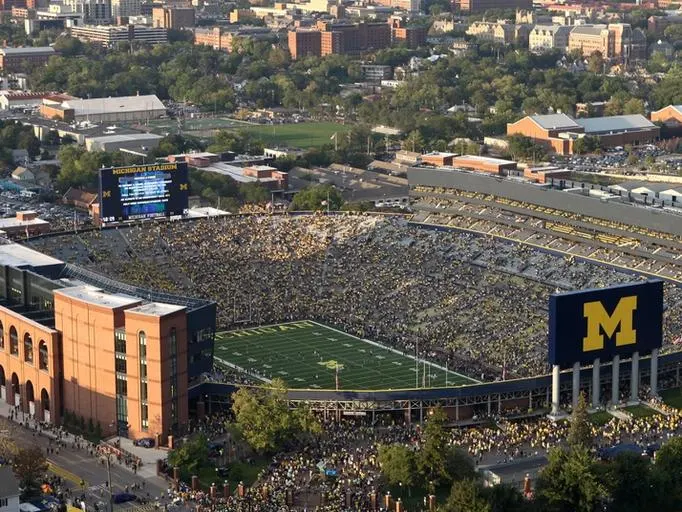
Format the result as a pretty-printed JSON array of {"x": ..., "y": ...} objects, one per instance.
[{"x": 355, "y": 314}]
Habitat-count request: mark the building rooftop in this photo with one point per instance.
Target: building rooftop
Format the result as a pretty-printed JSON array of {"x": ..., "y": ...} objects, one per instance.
[
  {"x": 156, "y": 309},
  {"x": 27, "y": 50},
  {"x": 97, "y": 297},
  {"x": 16, "y": 255},
  {"x": 554, "y": 121},
  {"x": 14, "y": 223},
  {"x": 125, "y": 137},
  {"x": 615, "y": 123},
  {"x": 94, "y": 106},
  {"x": 486, "y": 159},
  {"x": 588, "y": 30}
]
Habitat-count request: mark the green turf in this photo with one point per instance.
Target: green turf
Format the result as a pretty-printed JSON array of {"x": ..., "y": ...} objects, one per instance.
[
  {"x": 600, "y": 418},
  {"x": 672, "y": 397},
  {"x": 305, "y": 355},
  {"x": 639, "y": 411},
  {"x": 301, "y": 135}
]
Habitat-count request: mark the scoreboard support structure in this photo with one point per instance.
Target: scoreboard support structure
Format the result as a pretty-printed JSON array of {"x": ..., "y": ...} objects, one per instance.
[{"x": 600, "y": 325}]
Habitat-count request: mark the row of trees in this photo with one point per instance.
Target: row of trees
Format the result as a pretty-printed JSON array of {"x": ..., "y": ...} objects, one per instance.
[{"x": 573, "y": 480}]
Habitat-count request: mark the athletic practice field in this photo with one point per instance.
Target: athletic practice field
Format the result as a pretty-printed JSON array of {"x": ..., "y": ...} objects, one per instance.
[
  {"x": 300, "y": 135},
  {"x": 306, "y": 355}
]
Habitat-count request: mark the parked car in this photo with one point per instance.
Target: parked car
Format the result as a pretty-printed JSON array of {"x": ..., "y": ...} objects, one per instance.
[{"x": 145, "y": 442}]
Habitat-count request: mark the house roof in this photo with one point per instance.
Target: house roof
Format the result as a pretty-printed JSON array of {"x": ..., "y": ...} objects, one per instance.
[
  {"x": 678, "y": 108},
  {"x": 554, "y": 121},
  {"x": 9, "y": 485},
  {"x": 615, "y": 123},
  {"x": 19, "y": 171}
]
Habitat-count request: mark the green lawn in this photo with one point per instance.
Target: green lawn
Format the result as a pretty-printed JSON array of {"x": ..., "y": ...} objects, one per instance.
[
  {"x": 300, "y": 135},
  {"x": 306, "y": 356},
  {"x": 162, "y": 126},
  {"x": 600, "y": 418},
  {"x": 640, "y": 411},
  {"x": 673, "y": 397},
  {"x": 238, "y": 472}
]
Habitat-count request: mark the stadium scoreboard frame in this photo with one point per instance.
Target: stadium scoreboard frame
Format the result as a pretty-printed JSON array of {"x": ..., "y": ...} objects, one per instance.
[
  {"x": 143, "y": 191},
  {"x": 603, "y": 323}
]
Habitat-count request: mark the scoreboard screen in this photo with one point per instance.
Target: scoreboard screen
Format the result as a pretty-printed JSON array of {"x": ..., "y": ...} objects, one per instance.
[{"x": 143, "y": 191}]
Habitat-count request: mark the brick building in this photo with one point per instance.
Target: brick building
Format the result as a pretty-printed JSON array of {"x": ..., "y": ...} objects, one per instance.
[
  {"x": 16, "y": 60},
  {"x": 484, "y": 5},
  {"x": 413, "y": 36},
  {"x": 339, "y": 38},
  {"x": 558, "y": 132},
  {"x": 616, "y": 41},
  {"x": 173, "y": 17},
  {"x": 90, "y": 346}
]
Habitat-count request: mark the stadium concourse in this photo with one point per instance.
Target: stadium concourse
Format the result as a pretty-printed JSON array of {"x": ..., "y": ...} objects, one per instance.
[{"x": 477, "y": 304}]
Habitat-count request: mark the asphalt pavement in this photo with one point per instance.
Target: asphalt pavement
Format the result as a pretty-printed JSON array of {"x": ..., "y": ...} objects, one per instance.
[{"x": 74, "y": 464}]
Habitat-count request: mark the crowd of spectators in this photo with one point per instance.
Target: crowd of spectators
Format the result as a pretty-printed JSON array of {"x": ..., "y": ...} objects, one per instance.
[{"x": 479, "y": 303}]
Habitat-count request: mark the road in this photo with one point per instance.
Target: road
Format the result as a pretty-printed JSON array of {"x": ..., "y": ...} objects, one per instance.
[{"x": 73, "y": 464}]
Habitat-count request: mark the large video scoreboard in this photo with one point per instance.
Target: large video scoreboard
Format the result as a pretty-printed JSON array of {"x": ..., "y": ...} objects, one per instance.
[{"x": 143, "y": 191}]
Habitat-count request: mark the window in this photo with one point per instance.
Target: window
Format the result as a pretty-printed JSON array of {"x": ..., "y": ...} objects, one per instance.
[
  {"x": 42, "y": 355},
  {"x": 28, "y": 348},
  {"x": 13, "y": 341},
  {"x": 120, "y": 342},
  {"x": 3, "y": 502},
  {"x": 121, "y": 386},
  {"x": 145, "y": 416},
  {"x": 144, "y": 408},
  {"x": 2, "y": 336},
  {"x": 120, "y": 363}
]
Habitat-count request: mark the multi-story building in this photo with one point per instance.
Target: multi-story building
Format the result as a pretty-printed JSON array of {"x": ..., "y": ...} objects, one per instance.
[
  {"x": 658, "y": 24},
  {"x": 74, "y": 341},
  {"x": 548, "y": 37},
  {"x": 413, "y": 36},
  {"x": 15, "y": 60},
  {"x": 614, "y": 41},
  {"x": 112, "y": 35},
  {"x": 221, "y": 38},
  {"x": 339, "y": 38},
  {"x": 7, "y": 5},
  {"x": 484, "y": 5},
  {"x": 93, "y": 11},
  {"x": 305, "y": 42},
  {"x": 124, "y": 8},
  {"x": 376, "y": 72},
  {"x": 173, "y": 17},
  {"x": 403, "y": 5},
  {"x": 502, "y": 31}
]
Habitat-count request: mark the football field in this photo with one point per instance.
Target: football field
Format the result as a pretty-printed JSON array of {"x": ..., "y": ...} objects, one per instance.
[{"x": 306, "y": 355}]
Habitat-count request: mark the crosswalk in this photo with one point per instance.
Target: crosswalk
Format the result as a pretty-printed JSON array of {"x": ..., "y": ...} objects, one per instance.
[{"x": 63, "y": 473}]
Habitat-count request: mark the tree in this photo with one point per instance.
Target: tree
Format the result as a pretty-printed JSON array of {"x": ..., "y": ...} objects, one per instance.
[
  {"x": 467, "y": 496},
  {"x": 569, "y": 483},
  {"x": 254, "y": 193},
  {"x": 631, "y": 488},
  {"x": 413, "y": 142},
  {"x": 29, "y": 467},
  {"x": 317, "y": 198},
  {"x": 263, "y": 418},
  {"x": 432, "y": 460},
  {"x": 668, "y": 474},
  {"x": 595, "y": 63},
  {"x": 8, "y": 449},
  {"x": 397, "y": 464},
  {"x": 634, "y": 106},
  {"x": 505, "y": 498},
  {"x": 191, "y": 456},
  {"x": 580, "y": 432}
]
